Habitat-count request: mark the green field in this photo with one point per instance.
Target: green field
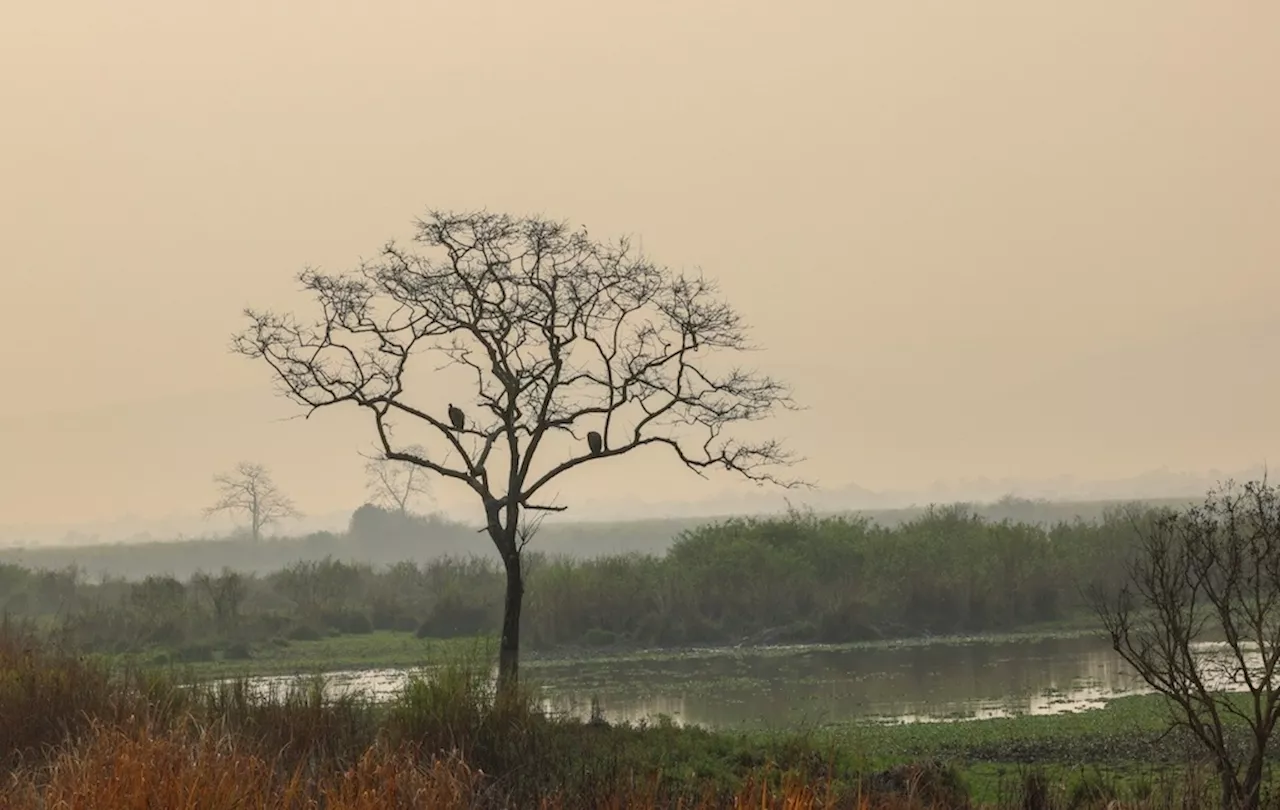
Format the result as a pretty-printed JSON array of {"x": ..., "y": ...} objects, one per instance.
[
  {"x": 378, "y": 650},
  {"x": 385, "y": 649}
]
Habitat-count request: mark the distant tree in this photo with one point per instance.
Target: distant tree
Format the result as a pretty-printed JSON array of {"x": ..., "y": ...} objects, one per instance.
[
  {"x": 251, "y": 492},
  {"x": 396, "y": 484},
  {"x": 1204, "y": 574},
  {"x": 558, "y": 333}
]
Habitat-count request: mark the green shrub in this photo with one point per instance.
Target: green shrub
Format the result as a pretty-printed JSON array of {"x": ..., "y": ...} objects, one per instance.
[
  {"x": 304, "y": 632},
  {"x": 194, "y": 653},
  {"x": 237, "y": 651},
  {"x": 595, "y": 637}
]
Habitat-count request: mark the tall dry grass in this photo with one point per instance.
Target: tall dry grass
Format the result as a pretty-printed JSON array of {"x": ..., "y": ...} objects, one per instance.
[
  {"x": 140, "y": 768},
  {"x": 144, "y": 769}
]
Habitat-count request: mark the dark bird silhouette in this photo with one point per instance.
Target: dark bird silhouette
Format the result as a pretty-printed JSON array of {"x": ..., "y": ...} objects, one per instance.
[
  {"x": 596, "y": 443},
  {"x": 456, "y": 417}
]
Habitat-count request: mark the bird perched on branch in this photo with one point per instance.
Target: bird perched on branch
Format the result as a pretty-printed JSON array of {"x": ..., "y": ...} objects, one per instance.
[
  {"x": 456, "y": 417},
  {"x": 595, "y": 442}
]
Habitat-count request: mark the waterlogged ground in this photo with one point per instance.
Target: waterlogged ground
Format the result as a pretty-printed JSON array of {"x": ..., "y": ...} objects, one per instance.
[
  {"x": 920, "y": 681},
  {"x": 905, "y": 682}
]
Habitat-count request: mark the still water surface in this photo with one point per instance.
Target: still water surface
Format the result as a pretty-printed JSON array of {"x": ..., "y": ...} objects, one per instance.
[{"x": 911, "y": 682}]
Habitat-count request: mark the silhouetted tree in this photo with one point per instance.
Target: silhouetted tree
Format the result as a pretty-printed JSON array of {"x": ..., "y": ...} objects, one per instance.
[
  {"x": 250, "y": 491},
  {"x": 1209, "y": 573},
  {"x": 395, "y": 484},
  {"x": 558, "y": 332}
]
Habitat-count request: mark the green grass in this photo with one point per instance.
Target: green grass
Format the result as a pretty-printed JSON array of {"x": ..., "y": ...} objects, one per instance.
[
  {"x": 378, "y": 650},
  {"x": 1123, "y": 747},
  {"x": 1126, "y": 727},
  {"x": 390, "y": 649}
]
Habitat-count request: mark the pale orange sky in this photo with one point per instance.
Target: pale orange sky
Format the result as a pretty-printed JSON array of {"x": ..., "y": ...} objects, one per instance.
[{"x": 991, "y": 238}]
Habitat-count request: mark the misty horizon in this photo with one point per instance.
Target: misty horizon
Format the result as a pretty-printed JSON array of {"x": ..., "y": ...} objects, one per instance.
[
  {"x": 998, "y": 247},
  {"x": 1152, "y": 485}
]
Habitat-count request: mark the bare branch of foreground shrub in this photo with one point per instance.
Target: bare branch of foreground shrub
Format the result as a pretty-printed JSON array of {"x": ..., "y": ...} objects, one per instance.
[{"x": 1199, "y": 620}]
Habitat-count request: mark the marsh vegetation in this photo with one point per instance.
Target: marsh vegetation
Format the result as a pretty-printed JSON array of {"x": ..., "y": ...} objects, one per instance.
[{"x": 790, "y": 661}]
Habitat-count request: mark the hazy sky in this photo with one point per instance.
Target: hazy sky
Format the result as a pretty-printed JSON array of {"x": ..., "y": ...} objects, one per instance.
[{"x": 999, "y": 237}]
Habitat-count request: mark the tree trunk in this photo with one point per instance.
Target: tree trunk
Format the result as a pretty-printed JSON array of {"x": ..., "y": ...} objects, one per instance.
[
  {"x": 509, "y": 651},
  {"x": 1237, "y": 795},
  {"x": 1251, "y": 786}
]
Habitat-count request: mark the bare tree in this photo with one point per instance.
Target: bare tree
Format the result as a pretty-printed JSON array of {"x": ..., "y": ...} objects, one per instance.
[
  {"x": 396, "y": 484},
  {"x": 1199, "y": 622},
  {"x": 557, "y": 333},
  {"x": 250, "y": 491}
]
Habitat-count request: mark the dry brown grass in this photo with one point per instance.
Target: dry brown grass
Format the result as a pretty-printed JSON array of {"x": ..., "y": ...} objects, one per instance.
[
  {"x": 113, "y": 768},
  {"x": 199, "y": 769}
]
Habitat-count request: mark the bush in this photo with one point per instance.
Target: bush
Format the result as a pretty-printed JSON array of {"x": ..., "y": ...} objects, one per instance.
[
  {"x": 391, "y": 615},
  {"x": 304, "y": 632},
  {"x": 350, "y": 622},
  {"x": 49, "y": 694},
  {"x": 595, "y": 637},
  {"x": 452, "y": 617},
  {"x": 194, "y": 653},
  {"x": 237, "y": 651},
  {"x": 167, "y": 633}
]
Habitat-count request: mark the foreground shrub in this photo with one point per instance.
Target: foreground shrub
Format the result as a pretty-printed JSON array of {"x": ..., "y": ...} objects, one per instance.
[
  {"x": 122, "y": 770},
  {"x": 49, "y": 695}
]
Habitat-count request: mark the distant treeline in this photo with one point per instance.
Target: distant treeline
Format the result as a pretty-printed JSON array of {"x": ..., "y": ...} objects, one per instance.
[
  {"x": 791, "y": 578},
  {"x": 381, "y": 538}
]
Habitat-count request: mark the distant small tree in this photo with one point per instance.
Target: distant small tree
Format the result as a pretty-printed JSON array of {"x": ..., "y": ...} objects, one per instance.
[
  {"x": 396, "y": 484},
  {"x": 1210, "y": 573},
  {"x": 250, "y": 491}
]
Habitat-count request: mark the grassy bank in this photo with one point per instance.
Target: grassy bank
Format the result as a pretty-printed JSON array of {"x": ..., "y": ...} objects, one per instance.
[
  {"x": 389, "y": 649},
  {"x": 383, "y": 649}
]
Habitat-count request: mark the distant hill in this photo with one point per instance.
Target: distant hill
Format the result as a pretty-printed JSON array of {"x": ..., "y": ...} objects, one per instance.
[{"x": 1154, "y": 484}]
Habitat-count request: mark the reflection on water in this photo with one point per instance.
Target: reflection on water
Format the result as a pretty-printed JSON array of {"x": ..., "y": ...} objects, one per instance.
[{"x": 896, "y": 684}]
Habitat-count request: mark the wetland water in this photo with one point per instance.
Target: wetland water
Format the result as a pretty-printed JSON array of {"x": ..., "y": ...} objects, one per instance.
[{"x": 917, "y": 681}]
